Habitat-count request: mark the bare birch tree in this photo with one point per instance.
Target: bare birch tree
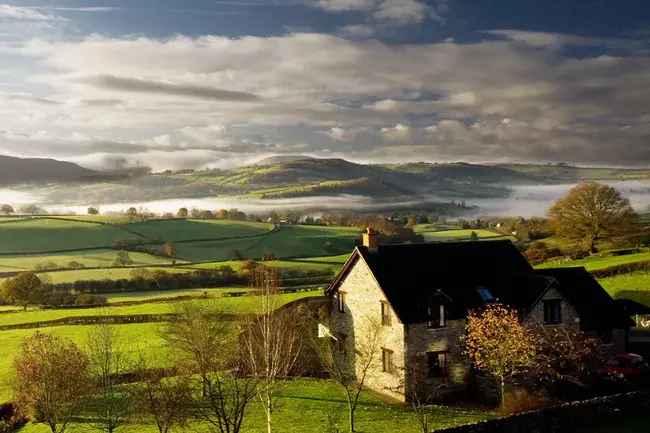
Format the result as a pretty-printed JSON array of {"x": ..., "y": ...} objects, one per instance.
[
  {"x": 107, "y": 361},
  {"x": 207, "y": 339},
  {"x": 350, "y": 368},
  {"x": 272, "y": 342}
]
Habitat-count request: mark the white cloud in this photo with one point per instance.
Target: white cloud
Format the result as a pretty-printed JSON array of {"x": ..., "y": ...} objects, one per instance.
[
  {"x": 206, "y": 134},
  {"x": 345, "y": 5},
  {"x": 340, "y": 134},
  {"x": 358, "y": 31},
  {"x": 315, "y": 82},
  {"x": 78, "y": 9},
  {"x": 398, "y": 133},
  {"x": 8, "y": 12},
  {"x": 402, "y": 12}
]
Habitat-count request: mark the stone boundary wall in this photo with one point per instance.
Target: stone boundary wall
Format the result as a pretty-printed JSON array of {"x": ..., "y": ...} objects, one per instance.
[{"x": 566, "y": 417}]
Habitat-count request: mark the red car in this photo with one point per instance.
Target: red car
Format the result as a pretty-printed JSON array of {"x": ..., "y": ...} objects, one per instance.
[{"x": 625, "y": 365}]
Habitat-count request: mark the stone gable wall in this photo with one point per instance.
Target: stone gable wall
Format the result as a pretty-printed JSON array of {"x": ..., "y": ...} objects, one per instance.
[
  {"x": 568, "y": 314},
  {"x": 420, "y": 340},
  {"x": 363, "y": 303}
]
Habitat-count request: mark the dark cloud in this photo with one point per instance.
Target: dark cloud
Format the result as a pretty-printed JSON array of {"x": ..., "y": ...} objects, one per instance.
[{"x": 187, "y": 90}]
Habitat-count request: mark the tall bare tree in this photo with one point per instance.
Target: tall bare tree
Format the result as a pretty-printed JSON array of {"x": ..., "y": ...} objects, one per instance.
[
  {"x": 349, "y": 367},
  {"x": 592, "y": 212},
  {"x": 51, "y": 380},
  {"x": 108, "y": 360},
  {"x": 207, "y": 339},
  {"x": 272, "y": 341}
]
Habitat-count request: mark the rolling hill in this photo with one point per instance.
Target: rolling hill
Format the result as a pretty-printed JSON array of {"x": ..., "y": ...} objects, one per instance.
[{"x": 20, "y": 170}]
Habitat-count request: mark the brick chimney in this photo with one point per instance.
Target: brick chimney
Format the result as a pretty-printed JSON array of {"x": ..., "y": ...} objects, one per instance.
[{"x": 370, "y": 239}]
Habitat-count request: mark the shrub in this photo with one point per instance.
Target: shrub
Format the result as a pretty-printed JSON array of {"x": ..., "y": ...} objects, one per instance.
[
  {"x": 75, "y": 265},
  {"x": 10, "y": 418},
  {"x": 269, "y": 256},
  {"x": 86, "y": 299},
  {"x": 540, "y": 252},
  {"x": 521, "y": 400},
  {"x": 58, "y": 299}
]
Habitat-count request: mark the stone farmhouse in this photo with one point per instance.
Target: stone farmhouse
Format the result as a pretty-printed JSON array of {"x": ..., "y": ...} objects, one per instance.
[{"x": 421, "y": 293}]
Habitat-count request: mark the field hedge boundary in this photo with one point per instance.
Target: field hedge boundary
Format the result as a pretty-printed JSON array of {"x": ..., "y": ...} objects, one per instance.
[{"x": 626, "y": 268}]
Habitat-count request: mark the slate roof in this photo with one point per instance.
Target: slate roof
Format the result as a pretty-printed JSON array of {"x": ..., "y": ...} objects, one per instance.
[
  {"x": 597, "y": 310},
  {"x": 412, "y": 276}
]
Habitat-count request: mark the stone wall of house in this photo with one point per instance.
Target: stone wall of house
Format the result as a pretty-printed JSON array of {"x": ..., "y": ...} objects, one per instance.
[
  {"x": 363, "y": 310},
  {"x": 568, "y": 313},
  {"x": 420, "y": 339}
]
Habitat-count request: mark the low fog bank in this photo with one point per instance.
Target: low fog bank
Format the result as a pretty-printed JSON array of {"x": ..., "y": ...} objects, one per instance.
[
  {"x": 322, "y": 204},
  {"x": 535, "y": 200},
  {"x": 526, "y": 201}
]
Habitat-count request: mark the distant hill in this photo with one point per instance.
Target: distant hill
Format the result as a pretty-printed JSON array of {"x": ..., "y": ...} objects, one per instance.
[
  {"x": 280, "y": 159},
  {"x": 28, "y": 170},
  {"x": 362, "y": 186}
]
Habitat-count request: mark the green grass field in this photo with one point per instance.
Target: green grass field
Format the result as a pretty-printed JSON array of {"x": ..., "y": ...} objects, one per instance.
[
  {"x": 101, "y": 274},
  {"x": 155, "y": 294},
  {"x": 289, "y": 241},
  {"x": 138, "y": 339},
  {"x": 244, "y": 304},
  {"x": 307, "y": 241},
  {"x": 109, "y": 219},
  {"x": 340, "y": 259},
  {"x": 459, "y": 235},
  {"x": 181, "y": 230},
  {"x": 635, "y": 281},
  {"x": 214, "y": 251},
  {"x": 42, "y": 234},
  {"x": 303, "y": 406},
  {"x": 423, "y": 228},
  {"x": 89, "y": 258},
  {"x": 594, "y": 262}
]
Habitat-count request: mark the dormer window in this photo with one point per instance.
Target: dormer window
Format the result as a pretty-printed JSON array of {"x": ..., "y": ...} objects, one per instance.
[{"x": 436, "y": 316}]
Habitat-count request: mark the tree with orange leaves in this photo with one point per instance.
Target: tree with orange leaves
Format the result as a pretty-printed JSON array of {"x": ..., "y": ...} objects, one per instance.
[{"x": 498, "y": 344}]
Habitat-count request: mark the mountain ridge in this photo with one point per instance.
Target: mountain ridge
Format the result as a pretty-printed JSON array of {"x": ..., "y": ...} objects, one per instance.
[{"x": 15, "y": 170}]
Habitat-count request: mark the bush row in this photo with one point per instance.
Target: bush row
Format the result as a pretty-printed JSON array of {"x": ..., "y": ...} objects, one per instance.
[
  {"x": 144, "y": 280},
  {"x": 626, "y": 268}
]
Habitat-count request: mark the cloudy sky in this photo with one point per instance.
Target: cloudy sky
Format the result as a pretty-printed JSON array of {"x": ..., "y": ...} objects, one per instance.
[{"x": 194, "y": 83}]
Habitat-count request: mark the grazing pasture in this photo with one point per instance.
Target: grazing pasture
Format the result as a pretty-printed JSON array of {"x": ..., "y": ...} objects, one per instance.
[
  {"x": 49, "y": 235},
  {"x": 89, "y": 258},
  {"x": 189, "y": 229},
  {"x": 307, "y": 241},
  {"x": 595, "y": 262},
  {"x": 141, "y": 338},
  {"x": 638, "y": 281},
  {"x": 459, "y": 235},
  {"x": 244, "y": 304}
]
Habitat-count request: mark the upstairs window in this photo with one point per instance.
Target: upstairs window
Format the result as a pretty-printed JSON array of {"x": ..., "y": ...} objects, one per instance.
[
  {"x": 436, "y": 316},
  {"x": 387, "y": 361},
  {"x": 436, "y": 364},
  {"x": 553, "y": 312},
  {"x": 386, "y": 317},
  {"x": 342, "y": 296}
]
